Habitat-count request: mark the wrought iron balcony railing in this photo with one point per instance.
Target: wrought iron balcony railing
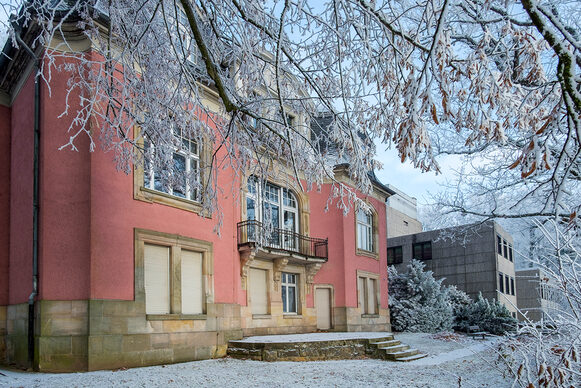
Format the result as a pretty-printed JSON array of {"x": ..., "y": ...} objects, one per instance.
[{"x": 282, "y": 240}]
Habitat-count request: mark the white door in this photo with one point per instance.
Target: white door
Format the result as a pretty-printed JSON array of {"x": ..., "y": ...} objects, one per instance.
[{"x": 323, "y": 308}]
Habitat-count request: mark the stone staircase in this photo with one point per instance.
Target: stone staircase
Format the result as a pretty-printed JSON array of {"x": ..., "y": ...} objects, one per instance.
[{"x": 388, "y": 348}]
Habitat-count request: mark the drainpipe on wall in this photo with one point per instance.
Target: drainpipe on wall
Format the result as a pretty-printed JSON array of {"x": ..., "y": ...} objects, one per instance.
[{"x": 35, "y": 201}]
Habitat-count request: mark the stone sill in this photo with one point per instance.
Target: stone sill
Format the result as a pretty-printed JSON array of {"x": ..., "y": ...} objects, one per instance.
[
  {"x": 261, "y": 316},
  {"x": 369, "y": 315},
  {"x": 175, "y": 317},
  {"x": 153, "y": 196},
  {"x": 292, "y": 316},
  {"x": 361, "y": 252}
]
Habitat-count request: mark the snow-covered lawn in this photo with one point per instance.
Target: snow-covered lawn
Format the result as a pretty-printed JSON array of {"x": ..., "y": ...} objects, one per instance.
[{"x": 452, "y": 362}]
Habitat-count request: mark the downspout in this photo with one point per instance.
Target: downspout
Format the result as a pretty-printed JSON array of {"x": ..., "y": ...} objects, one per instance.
[{"x": 35, "y": 201}]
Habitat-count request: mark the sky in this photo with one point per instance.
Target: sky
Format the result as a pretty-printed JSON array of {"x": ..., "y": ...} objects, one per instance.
[{"x": 411, "y": 180}]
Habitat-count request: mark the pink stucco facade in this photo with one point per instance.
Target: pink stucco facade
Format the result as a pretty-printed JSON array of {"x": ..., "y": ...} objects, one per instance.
[{"x": 89, "y": 254}]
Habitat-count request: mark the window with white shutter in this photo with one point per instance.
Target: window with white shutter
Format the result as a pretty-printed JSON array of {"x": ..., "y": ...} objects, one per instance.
[
  {"x": 192, "y": 286},
  {"x": 176, "y": 274},
  {"x": 157, "y": 281}
]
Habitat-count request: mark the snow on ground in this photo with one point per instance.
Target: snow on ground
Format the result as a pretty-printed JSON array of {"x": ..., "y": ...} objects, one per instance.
[{"x": 450, "y": 366}]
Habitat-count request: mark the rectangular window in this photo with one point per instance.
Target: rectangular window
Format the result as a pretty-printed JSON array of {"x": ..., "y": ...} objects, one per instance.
[
  {"x": 289, "y": 293},
  {"x": 364, "y": 231},
  {"x": 506, "y": 284},
  {"x": 423, "y": 250},
  {"x": 512, "y": 286},
  {"x": 184, "y": 43},
  {"x": 505, "y": 249},
  {"x": 175, "y": 171},
  {"x": 501, "y": 282},
  {"x": 367, "y": 295},
  {"x": 175, "y": 272},
  {"x": 498, "y": 245},
  {"x": 395, "y": 255},
  {"x": 510, "y": 252}
]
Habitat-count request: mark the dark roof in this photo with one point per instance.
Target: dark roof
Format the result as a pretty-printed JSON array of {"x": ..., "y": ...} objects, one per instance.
[{"x": 320, "y": 128}]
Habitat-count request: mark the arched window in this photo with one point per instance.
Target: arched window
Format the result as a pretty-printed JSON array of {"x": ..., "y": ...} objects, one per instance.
[{"x": 277, "y": 209}]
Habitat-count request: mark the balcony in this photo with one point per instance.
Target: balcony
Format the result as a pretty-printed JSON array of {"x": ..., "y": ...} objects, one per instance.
[{"x": 277, "y": 241}]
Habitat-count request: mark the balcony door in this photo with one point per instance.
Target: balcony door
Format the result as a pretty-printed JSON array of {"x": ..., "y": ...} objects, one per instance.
[{"x": 277, "y": 209}]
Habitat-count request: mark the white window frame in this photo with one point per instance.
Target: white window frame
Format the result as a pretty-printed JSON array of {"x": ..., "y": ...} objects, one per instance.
[
  {"x": 185, "y": 41},
  {"x": 286, "y": 284},
  {"x": 192, "y": 166},
  {"x": 365, "y": 243},
  {"x": 260, "y": 196}
]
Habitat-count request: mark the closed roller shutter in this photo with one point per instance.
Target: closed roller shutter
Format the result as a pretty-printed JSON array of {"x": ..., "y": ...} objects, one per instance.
[
  {"x": 156, "y": 261},
  {"x": 258, "y": 291},
  {"x": 192, "y": 283}
]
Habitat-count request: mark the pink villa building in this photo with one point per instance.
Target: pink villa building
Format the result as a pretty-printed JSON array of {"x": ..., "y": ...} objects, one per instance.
[{"x": 129, "y": 275}]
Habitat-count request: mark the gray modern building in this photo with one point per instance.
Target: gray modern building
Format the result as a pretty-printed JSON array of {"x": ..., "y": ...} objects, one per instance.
[
  {"x": 537, "y": 295},
  {"x": 476, "y": 258}
]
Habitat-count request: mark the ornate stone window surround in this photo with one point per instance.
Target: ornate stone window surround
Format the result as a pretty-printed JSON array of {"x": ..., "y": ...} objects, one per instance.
[
  {"x": 374, "y": 276},
  {"x": 175, "y": 243},
  {"x": 150, "y": 195},
  {"x": 374, "y": 253}
]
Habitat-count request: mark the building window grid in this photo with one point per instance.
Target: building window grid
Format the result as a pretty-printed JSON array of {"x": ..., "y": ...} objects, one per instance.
[
  {"x": 501, "y": 282},
  {"x": 395, "y": 255},
  {"x": 179, "y": 177},
  {"x": 289, "y": 293},
  {"x": 422, "y": 250}
]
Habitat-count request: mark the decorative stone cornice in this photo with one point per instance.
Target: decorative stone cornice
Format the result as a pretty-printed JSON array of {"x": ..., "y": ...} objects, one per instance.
[
  {"x": 311, "y": 270},
  {"x": 279, "y": 266},
  {"x": 246, "y": 258}
]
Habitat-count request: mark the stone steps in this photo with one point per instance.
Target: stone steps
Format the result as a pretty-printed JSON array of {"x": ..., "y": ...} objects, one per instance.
[
  {"x": 401, "y": 354},
  {"x": 385, "y": 347},
  {"x": 394, "y": 350},
  {"x": 412, "y": 358},
  {"x": 380, "y": 340},
  {"x": 386, "y": 344}
]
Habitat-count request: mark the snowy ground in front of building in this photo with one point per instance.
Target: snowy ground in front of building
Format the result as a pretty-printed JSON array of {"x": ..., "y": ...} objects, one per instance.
[{"x": 452, "y": 361}]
